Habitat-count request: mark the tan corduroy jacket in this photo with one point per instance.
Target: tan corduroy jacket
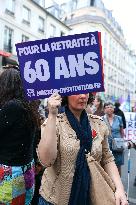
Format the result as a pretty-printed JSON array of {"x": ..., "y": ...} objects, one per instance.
[{"x": 57, "y": 179}]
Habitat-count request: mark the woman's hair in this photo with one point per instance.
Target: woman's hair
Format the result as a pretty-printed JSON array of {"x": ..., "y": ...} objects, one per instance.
[
  {"x": 101, "y": 102},
  {"x": 117, "y": 104},
  {"x": 108, "y": 103},
  {"x": 65, "y": 100},
  {"x": 11, "y": 89}
]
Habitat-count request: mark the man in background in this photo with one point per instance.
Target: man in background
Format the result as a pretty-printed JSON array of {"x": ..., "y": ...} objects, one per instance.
[{"x": 119, "y": 112}]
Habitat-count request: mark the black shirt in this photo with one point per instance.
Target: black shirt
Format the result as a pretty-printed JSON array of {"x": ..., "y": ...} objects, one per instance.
[
  {"x": 16, "y": 135},
  {"x": 119, "y": 112}
]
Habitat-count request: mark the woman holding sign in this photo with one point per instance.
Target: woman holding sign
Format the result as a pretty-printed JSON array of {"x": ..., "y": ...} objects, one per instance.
[
  {"x": 18, "y": 121},
  {"x": 80, "y": 168}
]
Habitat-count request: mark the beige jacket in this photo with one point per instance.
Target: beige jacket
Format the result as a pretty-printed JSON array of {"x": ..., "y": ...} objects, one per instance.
[{"x": 57, "y": 179}]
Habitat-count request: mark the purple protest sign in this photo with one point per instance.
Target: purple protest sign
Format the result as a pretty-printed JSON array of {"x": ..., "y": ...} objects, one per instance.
[{"x": 67, "y": 65}]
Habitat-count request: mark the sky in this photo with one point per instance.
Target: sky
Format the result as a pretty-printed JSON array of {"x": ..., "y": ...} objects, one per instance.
[{"x": 124, "y": 12}]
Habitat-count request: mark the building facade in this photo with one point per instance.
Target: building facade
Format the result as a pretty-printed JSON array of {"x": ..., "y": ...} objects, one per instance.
[
  {"x": 26, "y": 20},
  {"x": 118, "y": 60}
]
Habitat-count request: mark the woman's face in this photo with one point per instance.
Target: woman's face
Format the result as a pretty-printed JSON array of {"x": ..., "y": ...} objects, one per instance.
[
  {"x": 96, "y": 103},
  {"x": 109, "y": 109},
  {"x": 78, "y": 102}
]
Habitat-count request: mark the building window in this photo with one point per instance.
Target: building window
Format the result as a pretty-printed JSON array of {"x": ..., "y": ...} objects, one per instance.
[
  {"x": 10, "y": 7},
  {"x": 41, "y": 24},
  {"x": 74, "y": 4},
  {"x": 25, "y": 38},
  {"x": 52, "y": 30},
  {"x": 8, "y": 39},
  {"x": 26, "y": 15},
  {"x": 92, "y": 2}
]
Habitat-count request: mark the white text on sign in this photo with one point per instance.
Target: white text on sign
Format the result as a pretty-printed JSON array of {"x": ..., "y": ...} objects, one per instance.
[
  {"x": 78, "y": 65},
  {"x": 57, "y": 46}
]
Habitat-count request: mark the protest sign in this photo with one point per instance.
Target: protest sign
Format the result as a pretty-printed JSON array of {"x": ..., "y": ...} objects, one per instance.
[
  {"x": 130, "y": 126},
  {"x": 67, "y": 65}
]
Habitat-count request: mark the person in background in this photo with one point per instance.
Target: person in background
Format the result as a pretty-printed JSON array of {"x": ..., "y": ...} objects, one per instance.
[
  {"x": 19, "y": 119},
  {"x": 70, "y": 143},
  {"x": 98, "y": 104},
  {"x": 115, "y": 125},
  {"x": 119, "y": 112},
  {"x": 133, "y": 109},
  {"x": 89, "y": 108},
  {"x": 42, "y": 110}
]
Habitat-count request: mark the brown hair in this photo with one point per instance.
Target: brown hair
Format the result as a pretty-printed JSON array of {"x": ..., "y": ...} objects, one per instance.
[
  {"x": 11, "y": 89},
  {"x": 108, "y": 103}
]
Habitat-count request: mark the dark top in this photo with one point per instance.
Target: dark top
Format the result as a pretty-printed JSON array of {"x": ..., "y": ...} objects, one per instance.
[
  {"x": 119, "y": 112},
  {"x": 16, "y": 135}
]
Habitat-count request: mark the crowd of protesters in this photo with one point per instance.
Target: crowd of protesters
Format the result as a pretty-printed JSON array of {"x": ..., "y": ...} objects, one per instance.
[{"x": 48, "y": 158}]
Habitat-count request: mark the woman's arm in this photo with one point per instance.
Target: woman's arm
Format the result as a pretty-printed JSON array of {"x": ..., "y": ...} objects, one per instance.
[
  {"x": 112, "y": 171},
  {"x": 122, "y": 132},
  {"x": 121, "y": 127},
  {"x": 47, "y": 148}
]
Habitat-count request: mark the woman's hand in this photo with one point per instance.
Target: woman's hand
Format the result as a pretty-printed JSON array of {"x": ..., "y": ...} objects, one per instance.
[
  {"x": 121, "y": 198},
  {"x": 54, "y": 102}
]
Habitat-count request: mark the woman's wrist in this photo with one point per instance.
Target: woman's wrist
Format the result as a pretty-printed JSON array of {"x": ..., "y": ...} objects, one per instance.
[
  {"x": 120, "y": 189},
  {"x": 52, "y": 115}
]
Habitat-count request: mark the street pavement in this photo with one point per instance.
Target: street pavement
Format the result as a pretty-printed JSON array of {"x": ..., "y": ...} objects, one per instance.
[{"x": 132, "y": 188}]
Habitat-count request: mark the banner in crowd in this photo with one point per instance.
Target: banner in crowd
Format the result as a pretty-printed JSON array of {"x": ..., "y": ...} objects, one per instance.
[
  {"x": 130, "y": 125},
  {"x": 67, "y": 65},
  {"x": 125, "y": 104}
]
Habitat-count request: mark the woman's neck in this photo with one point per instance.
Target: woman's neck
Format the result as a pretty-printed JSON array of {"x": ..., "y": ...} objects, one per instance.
[
  {"x": 76, "y": 113},
  {"x": 110, "y": 116}
]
